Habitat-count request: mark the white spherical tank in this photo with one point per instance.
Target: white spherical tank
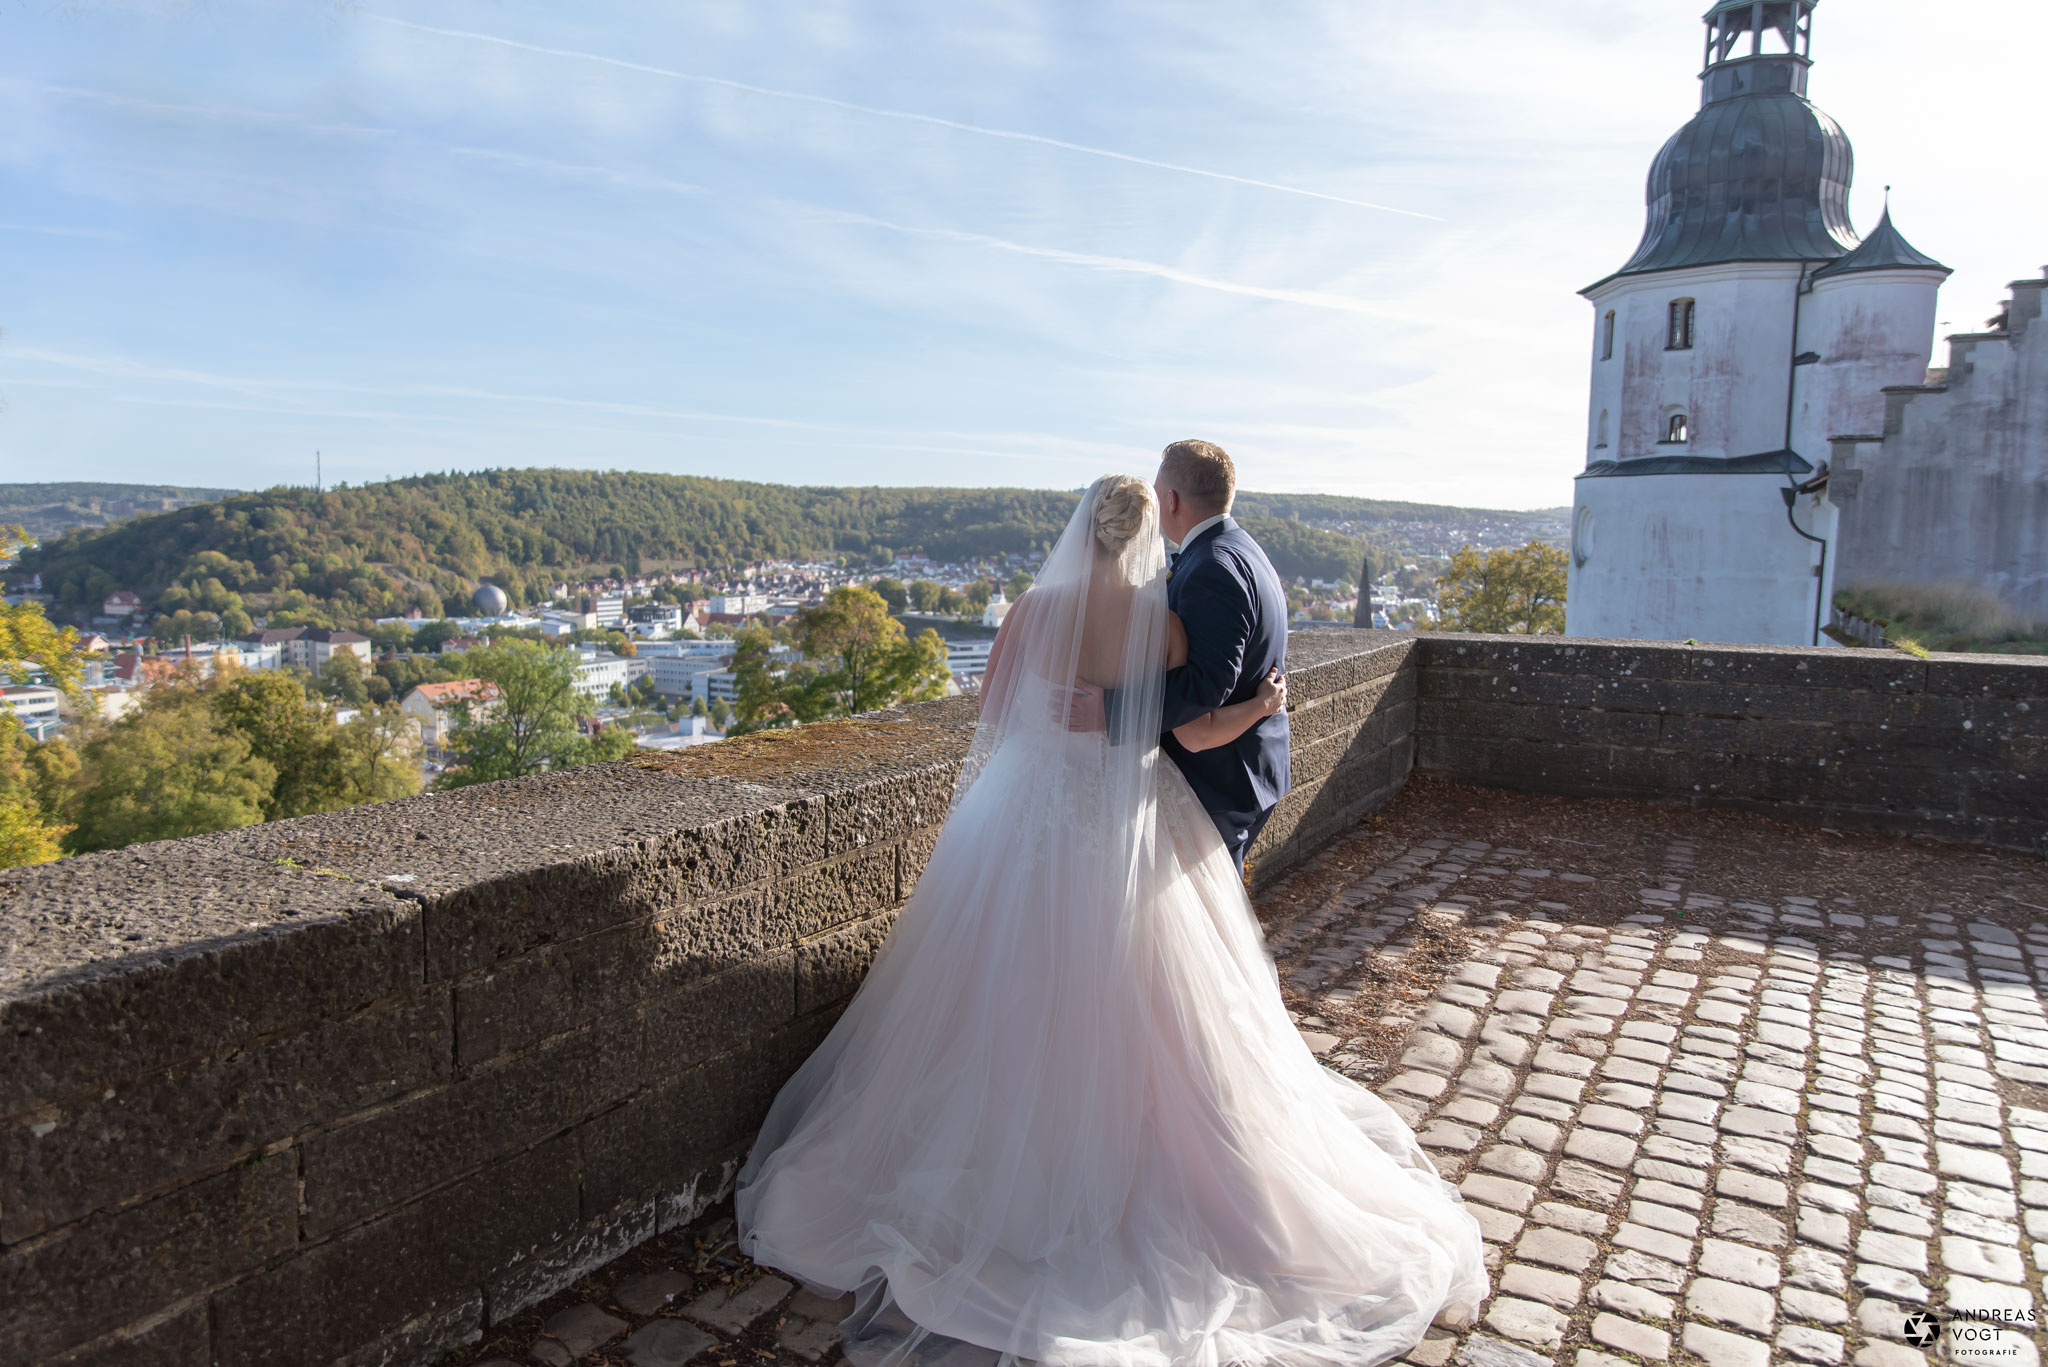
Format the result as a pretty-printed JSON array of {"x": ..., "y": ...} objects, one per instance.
[{"x": 490, "y": 600}]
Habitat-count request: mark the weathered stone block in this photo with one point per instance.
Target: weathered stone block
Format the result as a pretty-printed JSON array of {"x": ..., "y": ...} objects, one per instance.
[
  {"x": 559, "y": 987},
  {"x": 682, "y": 1029},
  {"x": 842, "y": 890},
  {"x": 134, "y": 1137},
  {"x": 1989, "y": 676},
  {"x": 1882, "y": 672},
  {"x": 376, "y": 1163},
  {"x": 543, "y": 1271},
  {"x": 1556, "y": 655},
  {"x": 875, "y": 814},
  {"x": 426, "y": 1256},
  {"x": 117, "y": 964},
  {"x": 830, "y": 967},
  {"x": 111, "y": 1270},
  {"x": 180, "y": 1339},
  {"x": 1317, "y": 761},
  {"x": 1322, "y": 661},
  {"x": 478, "y": 925}
]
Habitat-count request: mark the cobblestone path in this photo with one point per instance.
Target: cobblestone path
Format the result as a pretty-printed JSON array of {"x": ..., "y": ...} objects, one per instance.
[{"x": 1718, "y": 1090}]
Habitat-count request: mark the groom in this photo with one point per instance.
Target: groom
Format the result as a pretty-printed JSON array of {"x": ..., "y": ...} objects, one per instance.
[{"x": 1235, "y": 612}]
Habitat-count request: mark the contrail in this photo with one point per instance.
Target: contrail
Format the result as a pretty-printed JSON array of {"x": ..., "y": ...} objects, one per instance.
[
  {"x": 1123, "y": 264},
  {"x": 902, "y": 115},
  {"x": 1129, "y": 265}
]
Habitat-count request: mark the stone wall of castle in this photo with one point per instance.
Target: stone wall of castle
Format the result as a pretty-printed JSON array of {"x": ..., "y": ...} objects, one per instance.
[
  {"x": 359, "y": 1084},
  {"x": 1956, "y": 486}
]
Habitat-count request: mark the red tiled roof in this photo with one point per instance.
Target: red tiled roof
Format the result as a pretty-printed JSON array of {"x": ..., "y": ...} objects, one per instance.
[{"x": 456, "y": 690}]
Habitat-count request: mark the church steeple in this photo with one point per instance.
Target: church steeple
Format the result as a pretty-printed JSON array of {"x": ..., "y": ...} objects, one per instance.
[{"x": 1757, "y": 47}]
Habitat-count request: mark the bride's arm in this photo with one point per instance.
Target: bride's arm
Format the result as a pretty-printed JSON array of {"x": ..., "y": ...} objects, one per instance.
[
  {"x": 1226, "y": 724},
  {"x": 995, "y": 676}
]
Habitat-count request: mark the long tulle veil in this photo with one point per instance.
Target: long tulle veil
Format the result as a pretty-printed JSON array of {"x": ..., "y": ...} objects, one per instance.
[{"x": 1095, "y": 618}]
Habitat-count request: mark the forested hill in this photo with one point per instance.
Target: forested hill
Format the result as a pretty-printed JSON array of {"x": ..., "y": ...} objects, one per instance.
[
  {"x": 352, "y": 553},
  {"x": 52, "y": 509}
]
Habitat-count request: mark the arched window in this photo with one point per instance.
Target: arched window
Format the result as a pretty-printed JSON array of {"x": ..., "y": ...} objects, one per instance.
[
  {"x": 1678, "y": 430},
  {"x": 1607, "y": 339},
  {"x": 1600, "y": 432},
  {"x": 1680, "y": 338}
]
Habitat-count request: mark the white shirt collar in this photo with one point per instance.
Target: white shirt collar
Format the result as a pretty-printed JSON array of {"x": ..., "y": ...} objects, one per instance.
[{"x": 1204, "y": 525}]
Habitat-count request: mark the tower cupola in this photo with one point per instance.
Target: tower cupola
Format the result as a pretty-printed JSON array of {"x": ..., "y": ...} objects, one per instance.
[
  {"x": 1757, "y": 47},
  {"x": 1758, "y": 174}
]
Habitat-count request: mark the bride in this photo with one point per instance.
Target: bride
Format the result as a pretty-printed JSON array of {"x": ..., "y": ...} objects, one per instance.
[{"x": 1066, "y": 1119}]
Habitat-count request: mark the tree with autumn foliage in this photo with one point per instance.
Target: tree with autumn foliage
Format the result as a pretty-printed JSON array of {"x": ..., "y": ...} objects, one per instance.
[
  {"x": 856, "y": 658},
  {"x": 33, "y": 774},
  {"x": 1514, "y": 591},
  {"x": 863, "y": 657}
]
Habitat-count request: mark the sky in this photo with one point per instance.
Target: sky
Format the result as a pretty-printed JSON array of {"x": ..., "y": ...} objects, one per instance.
[{"x": 998, "y": 243}]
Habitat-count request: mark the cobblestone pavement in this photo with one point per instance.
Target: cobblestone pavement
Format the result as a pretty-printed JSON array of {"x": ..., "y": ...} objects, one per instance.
[{"x": 1718, "y": 1090}]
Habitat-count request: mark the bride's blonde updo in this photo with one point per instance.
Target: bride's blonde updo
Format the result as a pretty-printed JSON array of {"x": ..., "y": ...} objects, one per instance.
[{"x": 1123, "y": 506}]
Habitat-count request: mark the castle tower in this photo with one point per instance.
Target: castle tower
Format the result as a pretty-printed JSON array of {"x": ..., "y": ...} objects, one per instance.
[{"x": 1749, "y": 328}]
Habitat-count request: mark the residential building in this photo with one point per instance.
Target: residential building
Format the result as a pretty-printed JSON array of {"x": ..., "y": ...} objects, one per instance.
[
  {"x": 598, "y": 672},
  {"x": 718, "y": 686},
  {"x": 121, "y": 603},
  {"x": 35, "y": 706},
  {"x": 738, "y": 605},
  {"x": 608, "y": 609},
  {"x": 967, "y": 659},
  {"x": 654, "y": 620},
  {"x": 310, "y": 648},
  {"x": 435, "y": 707},
  {"x": 677, "y": 676},
  {"x": 688, "y": 650}
]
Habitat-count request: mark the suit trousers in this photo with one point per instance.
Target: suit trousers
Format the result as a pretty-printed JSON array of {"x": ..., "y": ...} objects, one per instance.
[{"x": 1238, "y": 833}]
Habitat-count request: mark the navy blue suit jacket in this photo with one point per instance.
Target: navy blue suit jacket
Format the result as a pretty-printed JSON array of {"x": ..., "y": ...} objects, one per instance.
[{"x": 1235, "y": 610}]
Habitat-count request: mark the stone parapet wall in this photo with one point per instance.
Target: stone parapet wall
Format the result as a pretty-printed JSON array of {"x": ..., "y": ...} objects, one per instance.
[
  {"x": 346, "y": 1088},
  {"x": 1351, "y": 707},
  {"x": 352, "y": 1086},
  {"x": 1954, "y": 747}
]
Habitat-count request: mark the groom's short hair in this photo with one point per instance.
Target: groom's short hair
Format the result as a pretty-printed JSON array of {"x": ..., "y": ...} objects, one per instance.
[{"x": 1201, "y": 471}]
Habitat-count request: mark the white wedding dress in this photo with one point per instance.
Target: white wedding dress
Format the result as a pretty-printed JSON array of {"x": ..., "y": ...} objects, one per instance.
[{"x": 1067, "y": 1120}]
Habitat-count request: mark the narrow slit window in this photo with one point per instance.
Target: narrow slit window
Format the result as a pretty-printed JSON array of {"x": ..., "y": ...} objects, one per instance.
[
  {"x": 1681, "y": 326},
  {"x": 1600, "y": 433},
  {"x": 1607, "y": 337},
  {"x": 1678, "y": 430}
]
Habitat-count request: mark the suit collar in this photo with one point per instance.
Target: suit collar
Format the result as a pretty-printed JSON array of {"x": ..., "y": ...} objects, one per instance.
[{"x": 1205, "y": 528}]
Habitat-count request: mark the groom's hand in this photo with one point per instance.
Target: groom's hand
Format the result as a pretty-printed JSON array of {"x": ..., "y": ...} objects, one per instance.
[{"x": 1080, "y": 709}]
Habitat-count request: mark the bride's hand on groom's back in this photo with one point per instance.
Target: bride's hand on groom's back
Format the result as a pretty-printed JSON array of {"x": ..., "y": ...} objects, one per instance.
[
  {"x": 1272, "y": 693},
  {"x": 1080, "y": 709}
]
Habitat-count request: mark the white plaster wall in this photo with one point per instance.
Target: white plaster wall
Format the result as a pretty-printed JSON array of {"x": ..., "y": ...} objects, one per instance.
[
  {"x": 1701, "y": 557},
  {"x": 1871, "y": 329},
  {"x": 1958, "y": 490},
  {"x": 1730, "y": 384}
]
